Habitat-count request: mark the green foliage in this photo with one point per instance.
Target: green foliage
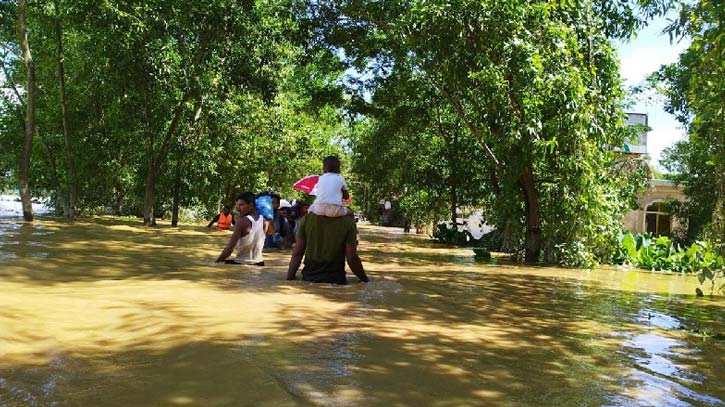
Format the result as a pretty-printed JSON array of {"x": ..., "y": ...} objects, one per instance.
[
  {"x": 258, "y": 105},
  {"x": 535, "y": 90},
  {"x": 660, "y": 253},
  {"x": 413, "y": 148},
  {"x": 481, "y": 254},
  {"x": 575, "y": 254},
  {"x": 451, "y": 235},
  {"x": 694, "y": 88}
]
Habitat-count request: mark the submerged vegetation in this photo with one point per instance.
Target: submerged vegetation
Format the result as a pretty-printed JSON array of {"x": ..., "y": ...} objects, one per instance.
[{"x": 661, "y": 253}]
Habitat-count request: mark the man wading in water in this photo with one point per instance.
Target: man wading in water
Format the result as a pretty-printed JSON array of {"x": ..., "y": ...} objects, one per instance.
[
  {"x": 325, "y": 243},
  {"x": 248, "y": 234}
]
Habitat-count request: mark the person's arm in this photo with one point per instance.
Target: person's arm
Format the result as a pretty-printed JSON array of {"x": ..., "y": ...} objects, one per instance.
[
  {"x": 294, "y": 264},
  {"x": 216, "y": 219},
  {"x": 234, "y": 222},
  {"x": 345, "y": 193},
  {"x": 244, "y": 227},
  {"x": 268, "y": 227},
  {"x": 353, "y": 260}
]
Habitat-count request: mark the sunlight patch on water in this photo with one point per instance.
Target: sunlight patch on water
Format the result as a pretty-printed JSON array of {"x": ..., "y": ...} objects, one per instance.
[
  {"x": 660, "y": 366},
  {"x": 655, "y": 353},
  {"x": 647, "y": 390},
  {"x": 657, "y": 319},
  {"x": 10, "y": 207}
]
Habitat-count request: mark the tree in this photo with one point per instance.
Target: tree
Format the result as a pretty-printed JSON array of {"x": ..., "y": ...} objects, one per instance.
[
  {"x": 536, "y": 85},
  {"x": 202, "y": 100},
  {"x": 695, "y": 89},
  {"x": 72, "y": 184},
  {"x": 29, "y": 125},
  {"x": 413, "y": 147}
]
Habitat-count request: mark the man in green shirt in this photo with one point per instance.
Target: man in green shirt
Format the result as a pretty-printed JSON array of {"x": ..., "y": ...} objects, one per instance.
[{"x": 325, "y": 243}]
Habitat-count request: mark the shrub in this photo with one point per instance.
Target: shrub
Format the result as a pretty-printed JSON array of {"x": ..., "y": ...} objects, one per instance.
[
  {"x": 451, "y": 235},
  {"x": 644, "y": 251}
]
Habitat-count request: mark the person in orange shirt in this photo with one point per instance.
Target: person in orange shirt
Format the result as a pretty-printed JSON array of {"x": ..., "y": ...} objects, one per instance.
[{"x": 224, "y": 219}]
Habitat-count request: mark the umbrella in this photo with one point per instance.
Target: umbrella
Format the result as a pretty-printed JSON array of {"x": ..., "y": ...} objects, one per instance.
[{"x": 307, "y": 185}]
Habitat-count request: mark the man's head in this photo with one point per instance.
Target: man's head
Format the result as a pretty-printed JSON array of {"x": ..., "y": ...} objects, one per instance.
[
  {"x": 275, "y": 200},
  {"x": 226, "y": 209},
  {"x": 302, "y": 209},
  {"x": 285, "y": 212},
  {"x": 331, "y": 164},
  {"x": 245, "y": 203}
]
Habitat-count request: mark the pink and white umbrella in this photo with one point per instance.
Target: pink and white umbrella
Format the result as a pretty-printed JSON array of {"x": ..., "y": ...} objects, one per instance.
[{"x": 306, "y": 184}]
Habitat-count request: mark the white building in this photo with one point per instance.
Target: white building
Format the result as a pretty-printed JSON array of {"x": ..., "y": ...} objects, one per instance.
[{"x": 651, "y": 216}]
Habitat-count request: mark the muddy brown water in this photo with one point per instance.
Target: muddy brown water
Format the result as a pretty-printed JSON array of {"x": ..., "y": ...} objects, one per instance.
[{"x": 108, "y": 313}]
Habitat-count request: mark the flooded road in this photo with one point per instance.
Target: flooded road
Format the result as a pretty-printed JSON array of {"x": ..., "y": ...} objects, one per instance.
[
  {"x": 10, "y": 207},
  {"x": 108, "y": 313}
]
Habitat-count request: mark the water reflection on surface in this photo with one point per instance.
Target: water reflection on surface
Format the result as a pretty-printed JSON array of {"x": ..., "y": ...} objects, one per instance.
[
  {"x": 109, "y": 313},
  {"x": 10, "y": 207}
]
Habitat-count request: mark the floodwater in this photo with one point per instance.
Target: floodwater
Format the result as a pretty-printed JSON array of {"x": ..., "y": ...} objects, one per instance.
[
  {"x": 10, "y": 207},
  {"x": 108, "y": 313}
]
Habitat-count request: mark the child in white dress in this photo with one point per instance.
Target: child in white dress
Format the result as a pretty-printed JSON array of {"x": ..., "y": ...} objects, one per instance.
[{"x": 330, "y": 190}]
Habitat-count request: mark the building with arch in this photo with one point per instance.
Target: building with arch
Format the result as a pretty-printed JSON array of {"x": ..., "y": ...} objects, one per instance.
[{"x": 652, "y": 216}]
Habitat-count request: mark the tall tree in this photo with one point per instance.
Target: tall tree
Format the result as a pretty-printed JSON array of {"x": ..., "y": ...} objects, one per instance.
[
  {"x": 537, "y": 86},
  {"x": 72, "y": 187},
  {"x": 413, "y": 148},
  {"x": 29, "y": 129},
  {"x": 695, "y": 89},
  {"x": 134, "y": 73}
]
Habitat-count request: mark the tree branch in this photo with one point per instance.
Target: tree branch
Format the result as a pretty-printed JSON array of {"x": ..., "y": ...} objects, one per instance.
[
  {"x": 12, "y": 84},
  {"x": 462, "y": 113}
]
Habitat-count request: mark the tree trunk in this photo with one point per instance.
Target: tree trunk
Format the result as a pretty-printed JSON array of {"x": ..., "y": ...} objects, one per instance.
[
  {"x": 454, "y": 175},
  {"x": 119, "y": 192},
  {"x": 54, "y": 172},
  {"x": 718, "y": 215},
  {"x": 148, "y": 203},
  {"x": 24, "y": 165},
  {"x": 155, "y": 161},
  {"x": 177, "y": 190},
  {"x": 72, "y": 182},
  {"x": 181, "y": 162},
  {"x": 533, "y": 219},
  {"x": 454, "y": 203}
]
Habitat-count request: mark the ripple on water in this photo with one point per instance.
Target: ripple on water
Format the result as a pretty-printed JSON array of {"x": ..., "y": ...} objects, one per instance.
[
  {"x": 328, "y": 363},
  {"x": 655, "y": 353},
  {"x": 14, "y": 393},
  {"x": 39, "y": 255},
  {"x": 37, "y": 244},
  {"x": 33, "y": 393},
  {"x": 656, "y": 378},
  {"x": 653, "y": 391},
  {"x": 657, "y": 319},
  {"x": 7, "y": 228}
]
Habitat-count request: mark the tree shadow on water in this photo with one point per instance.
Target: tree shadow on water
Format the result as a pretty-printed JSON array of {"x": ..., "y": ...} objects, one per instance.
[
  {"x": 424, "y": 332},
  {"x": 444, "y": 340}
]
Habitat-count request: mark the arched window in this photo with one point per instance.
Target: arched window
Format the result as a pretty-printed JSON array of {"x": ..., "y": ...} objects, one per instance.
[{"x": 657, "y": 220}]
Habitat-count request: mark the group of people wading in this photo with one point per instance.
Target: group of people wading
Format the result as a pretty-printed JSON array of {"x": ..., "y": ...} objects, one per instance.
[{"x": 325, "y": 237}]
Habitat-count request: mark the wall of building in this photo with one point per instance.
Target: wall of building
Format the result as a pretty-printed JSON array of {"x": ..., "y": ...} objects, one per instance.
[{"x": 661, "y": 190}]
